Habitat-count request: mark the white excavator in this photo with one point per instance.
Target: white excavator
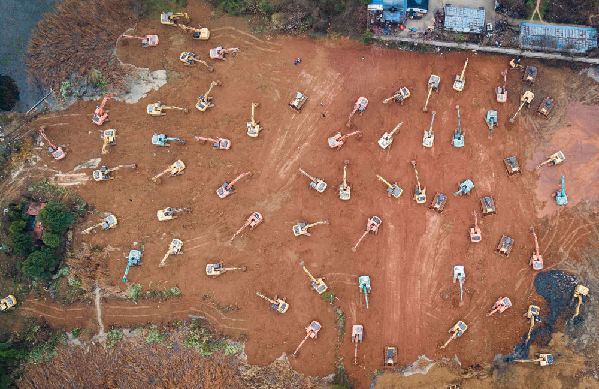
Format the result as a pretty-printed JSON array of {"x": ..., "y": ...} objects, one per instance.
[
  {"x": 303, "y": 227},
  {"x": 344, "y": 188},
  {"x": 109, "y": 221},
  {"x": 428, "y": 139},
  {"x": 205, "y": 101},
  {"x": 157, "y": 109},
  {"x": 175, "y": 169},
  {"x": 253, "y": 126},
  {"x": 216, "y": 269},
  {"x": 419, "y": 193},
  {"x": 526, "y": 99},
  {"x": 387, "y": 138},
  {"x": 103, "y": 174},
  {"x": 174, "y": 248},
  {"x": 433, "y": 85},
  {"x": 168, "y": 213}
]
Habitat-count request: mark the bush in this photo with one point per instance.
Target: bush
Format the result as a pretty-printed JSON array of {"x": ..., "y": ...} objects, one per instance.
[
  {"x": 56, "y": 217},
  {"x": 366, "y": 37},
  {"x": 265, "y": 8},
  {"x": 40, "y": 264},
  {"x": 65, "y": 89},
  {"x": 51, "y": 239},
  {"x": 114, "y": 337},
  {"x": 21, "y": 243},
  {"x": 155, "y": 336},
  {"x": 135, "y": 291}
]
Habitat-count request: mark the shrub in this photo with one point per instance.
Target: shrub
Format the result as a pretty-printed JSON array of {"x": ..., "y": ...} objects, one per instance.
[
  {"x": 56, "y": 217},
  {"x": 154, "y": 336},
  {"x": 265, "y": 8},
  {"x": 65, "y": 89},
  {"x": 114, "y": 337},
  {"x": 40, "y": 264},
  {"x": 366, "y": 37},
  {"x": 51, "y": 239},
  {"x": 134, "y": 291},
  {"x": 20, "y": 243}
]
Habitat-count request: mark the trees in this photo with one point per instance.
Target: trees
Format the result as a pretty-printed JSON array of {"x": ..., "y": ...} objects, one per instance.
[
  {"x": 56, "y": 217},
  {"x": 51, "y": 239},
  {"x": 40, "y": 264}
]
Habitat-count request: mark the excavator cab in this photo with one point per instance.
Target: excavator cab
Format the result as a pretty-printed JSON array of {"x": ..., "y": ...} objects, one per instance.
[
  {"x": 390, "y": 356},
  {"x": 545, "y": 108},
  {"x": 172, "y": 18},
  {"x": 500, "y": 305},
  {"x": 134, "y": 259},
  {"x": 344, "y": 188},
  {"x": 545, "y": 359},
  {"x": 512, "y": 166},
  {"x": 487, "y": 205},
  {"x": 400, "y": 96},
  {"x": 439, "y": 202},
  {"x": 505, "y": 245},
  {"x": 298, "y": 101},
  {"x": 7, "y": 303},
  {"x": 530, "y": 74}
]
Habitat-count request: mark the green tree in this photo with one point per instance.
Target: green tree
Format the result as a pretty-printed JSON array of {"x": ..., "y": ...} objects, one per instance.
[
  {"x": 51, "y": 239},
  {"x": 56, "y": 217},
  {"x": 40, "y": 264},
  {"x": 20, "y": 242},
  {"x": 366, "y": 37}
]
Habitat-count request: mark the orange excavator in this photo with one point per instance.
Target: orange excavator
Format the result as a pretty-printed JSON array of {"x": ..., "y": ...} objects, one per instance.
[
  {"x": 311, "y": 332},
  {"x": 218, "y": 143},
  {"x": 500, "y": 305},
  {"x": 475, "y": 234},
  {"x": 252, "y": 221},
  {"x": 100, "y": 116},
  {"x": 536, "y": 259},
  {"x": 227, "y": 188},
  {"x": 356, "y": 336},
  {"x": 337, "y": 141},
  {"x": 502, "y": 90},
  {"x": 372, "y": 226},
  {"x": 56, "y": 151},
  {"x": 219, "y": 52},
  {"x": 360, "y": 106},
  {"x": 201, "y": 33},
  {"x": 146, "y": 40}
]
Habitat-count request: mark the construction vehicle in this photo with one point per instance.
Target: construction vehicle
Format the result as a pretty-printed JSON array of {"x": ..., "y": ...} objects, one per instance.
[
  {"x": 302, "y": 228},
  {"x": 536, "y": 259},
  {"x": 532, "y": 314},
  {"x": 253, "y": 126},
  {"x": 465, "y": 187},
  {"x": 279, "y": 305},
  {"x": 530, "y": 74},
  {"x": 103, "y": 174},
  {"x": 172, "y": 18},
  {"x": 419, "y": 193},
  {"x": 201, "y": 33},
  {"x": 392, "y": 189},
  {"x": 359, "y": 106},
  {"x": 227, "y": 188},
  {"x": 545, "y": 108},
  {"x": 157, "y": 109},
  {"x": 315, "y": 183},
  {"x": 515, "y": 63},
  {"x": 163, "y": 139},
  {"x": 337, "y": 141},
  {"x": 219, "y": 52},
  {"x": 390, "y": 356},
  {"x": 456, "y": 332},
  {"x": 100, "y": 116},
  {"x": 7, "y": 303},
  {"x": 560, "y": 196},
  {"x": 344, "y": 188},
  {"x": 146, "y": 40},
  {"x": 252, "y": 221},
  {"x": 460, "y": 81},
  {"x": 56, "y": 151},
  {"x": 512, "y": 166},
  {"x": 189, "y": 59},
  {"x": 316, "y": 283},
  {"x": 174, "y": 170},
  {"x": 433, "y": 84},
  {"x": 109, "y": 221},
  {"x": 475, "y": 233},
  {"x": 526, "y": 99},
  {"x": 168, "y": 213},
  {"x": 487, "y": 206},
  {"x": 400, "y": 96},
  {"x": 217, "y": 144},
  {"x": 134, "y": 259},
  {"x": 500, "y": 305},
  {"x": 109, "y": 137},
  {"x": 204, "y": 101},
  {"x": 491, "y": 119},
  {"x": 505, "y": 245},
  {"x": 439, "y": 202},
  {"x": 458, "y": 136},
  {"x": 357, "y": 331},
  {"x": 553, "y": 159},
  {"x": 298, "y": 101},
  {"x": 372, "y": 225},
  {"x": 364, "y": 284},
  {"x": 311, "y": 332},
  {"x": 387, "y": 138},
  {"x": 580, "y": 293},
  {"x": 216, "y": 269},
  {"x": 459, "y": 274},
  {"x": 174, "y": 248},
  {"x": 502, "y": 90},
  {"x": 541, "y": 359},
  {"x": 428, "y": 139}
]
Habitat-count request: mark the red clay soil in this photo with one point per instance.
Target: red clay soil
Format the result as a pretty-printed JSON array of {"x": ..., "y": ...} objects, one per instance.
[{"x": 413, "y": 301}]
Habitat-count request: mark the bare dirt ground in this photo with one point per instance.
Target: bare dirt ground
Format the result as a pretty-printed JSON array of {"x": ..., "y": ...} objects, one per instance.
[{"x": 413, "y": 301}]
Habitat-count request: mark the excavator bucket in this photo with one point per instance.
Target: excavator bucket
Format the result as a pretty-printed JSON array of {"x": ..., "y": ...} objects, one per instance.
[
  {"x": 512, "y": 166},
  {"x": 298, "y": 101},
  {"x": 487, "y": 205},
  {"x": 390, "y": 356},
  {"x": 439, "y": 202},
  {"x": 505, "y": 245}
]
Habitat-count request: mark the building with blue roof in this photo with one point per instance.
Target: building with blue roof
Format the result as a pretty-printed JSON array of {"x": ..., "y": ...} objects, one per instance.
[
  {"x": 464, "y": 19},
  {"x": 385, "y": 12},
  {"x": 569, "y": 39}
]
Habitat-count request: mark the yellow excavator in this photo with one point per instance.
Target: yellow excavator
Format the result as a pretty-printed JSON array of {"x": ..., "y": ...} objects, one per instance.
[
  {"x": 172, "y": 18},
  {"x": 279, "y": 305},
  {"x": 344, "y": 188},
  {"x": 103, "y": 174},
  {"x": 580, "y": 292},
  {"x": 302, "y": 228},
  {"x": 174, "y": 170},
  {"x": 400, "y": 96},
  {"x": 317, "y": 283},
  {"x": 460, "y": 81},
  {"x": 253, "y": 126},
  {"x": 174, "y": 248},
  {"x": 7, "y": 303},
  {"x": 526, "y": 99},
  {"x": 553, "y": 159},
  {"x": 433, "y": 85},
  {"x": 109, "y": 221},
  {"x": 532, "y": 314},
  {"x": 189, "y": 59},
  {"x": 157, "y": 108},
  {"x": 201, "y": 33},
  {"x": 419, "y": 193},
  {"x": 109, "y": 137},
  {"x": 216, "y": 269},
  {"x": 204, "y": 101},
  {"x": 456, "y": 332}
]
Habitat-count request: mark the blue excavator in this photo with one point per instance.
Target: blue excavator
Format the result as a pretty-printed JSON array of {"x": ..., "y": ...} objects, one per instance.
[
  {"x": 459, "y": 274},
  {"x": 163, "y": 139},
  {"x": 458, "y": 135},
  {"x": 364, "y": 283},
  {"x": 465, "y": 187},
  {"x": 560, "y": 196},
  {"x": 134, "y": 259}
]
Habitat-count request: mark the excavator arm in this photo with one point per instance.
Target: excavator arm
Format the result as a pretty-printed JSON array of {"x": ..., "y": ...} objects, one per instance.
[{"x": 384, "y": 181}]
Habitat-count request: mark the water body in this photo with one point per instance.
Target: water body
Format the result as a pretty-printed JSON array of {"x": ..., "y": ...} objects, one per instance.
[{"x": 17, "y": 20}]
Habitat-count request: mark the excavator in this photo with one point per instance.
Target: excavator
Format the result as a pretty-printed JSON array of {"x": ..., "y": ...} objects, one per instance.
[
  {"x": 217, "y": 144},
  {"x": 428, "y": 139},
  {"x": 298, "y": 101},
  {"x": 502, "y": 90},
  {"x": 545, "y": 108},
  {"x": 7, "y": 303},
  {"x": 475, "y": 233},
  {"x": 560, "y": 196},
  {"x": 359, "y": 106},
  {"x": 344, "y": 188},
  {"x": 505, "y": 245},
  {"x": 279, "y": 305},
  {"x": 526, "y": 99},
  {"x": 400, "y": 96},
  {"x": 56, "y": 151},
  {"x": 103, "y": 174},
  {"x": 364, "y": 284},
  {"x": 134, "y": 259},
  {"x": 216, "y": 269},
  {"x": 109, "y": 221},
  {"x": 174, "y": 170},
  {"x": 515, "y": 63},
  {"x": 541, "y": 359},
  {"x": 316, "y": 283},
  {"x": 311, "y": 332},
  {"x": 512, "y": 166},
  {"x": 303, "y": 227},
  {"x": 227, "y": 188},
  {"x": 372, "y": 225},
  {"x": 174, "y": 248},
  {"x": 465, "y": 187},
  {"x": 530, "y": 75},
  {"x": 433, "y": 85},
  {"x": 219, "y": 52},
  {"x": 157, "y": 109},
  {"x": 100, "y": 116},
  {"x": 392, "y": 189},
  {"x": 459, "y": 274},
  {"x": 532, "y": 314},
  {"x": 387, "y": 138},
  {"x": 168, "y": 213},
  {"x": 201, "y": 33},
  {"x": 491, "y": 120},
  {"x": 458, "y": 136},
  {"x": 460, "y": 81},
  {"x": 553, "y": 159},
  {"x": 357, "y": 331},
  {"x": 337, "y": 141},
  {"x": 390, "y": 356},
  {"x": 189, "y": 59},
  {"x": 162, "y": 140},
  {"x": 315, "y": 183},
  {"x": 252, "y": 221},
  {"x": 146, "y": 40},
  {"x": 253, "y": 126},
  {"x": 536, "y": 259},
  {"x": 172, "y": 18},
  {"x": 487, "y": 206},
  {"x": 419, "y": 193},
  {"x": 204, "y": 101},
  {"x": 109, "y": 137},
  {"x": 500, "y": 305},
  {"x": 439, "y": 202},
  {"x": 580, "y": 293},
  {"x": 456, "y": 332}
]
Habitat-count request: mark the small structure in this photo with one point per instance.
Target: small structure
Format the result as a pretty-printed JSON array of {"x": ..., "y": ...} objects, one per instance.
[
  {"x": 464, "y": 19},
  {"x": 547, "y": 37},
  {"x": 382, "y": 13}
]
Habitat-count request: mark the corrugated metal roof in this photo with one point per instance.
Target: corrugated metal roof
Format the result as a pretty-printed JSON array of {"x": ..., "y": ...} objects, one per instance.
[
  {"x": 464, "y": 19},
  {"x": 572, "y": 39}
]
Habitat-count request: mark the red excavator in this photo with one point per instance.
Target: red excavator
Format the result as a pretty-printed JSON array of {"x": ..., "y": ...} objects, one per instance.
[
  {"x": 360, "y": 105},
  {"x": 252, "y": 221},
  {"x": 218, "y": 143},
  {"x": 311, "y": 332},
  {"x": 502, "y": 90},
  {"x": 146, "y": 40},
  {"x": 356, "y": 335},
  {"x": 536, "y": 260},
  {"x": 227, "y": 187},
  {"x": 372, "y": 226},
  {"x": 337, "y": 141},
  {"x": 219, "y": 52},
  {"x": 100, "y": 116},
  {"x": 56, "y": 151},
  {"x": 500, "y": 305}
]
